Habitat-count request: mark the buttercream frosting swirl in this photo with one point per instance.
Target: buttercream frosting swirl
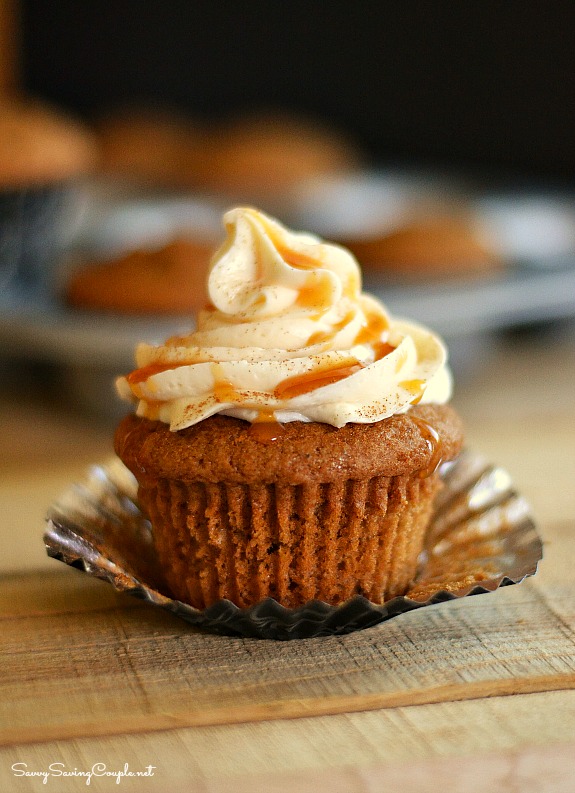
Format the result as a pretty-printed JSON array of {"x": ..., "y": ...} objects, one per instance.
[{"x": 288, "y": 336}]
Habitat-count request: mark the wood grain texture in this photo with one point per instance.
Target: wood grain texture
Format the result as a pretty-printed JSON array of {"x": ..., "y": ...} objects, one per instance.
[
  {"x": 81, "y": 660},
  {"x": 517, "y": 743},
  {"x": 519, "y": 412}
]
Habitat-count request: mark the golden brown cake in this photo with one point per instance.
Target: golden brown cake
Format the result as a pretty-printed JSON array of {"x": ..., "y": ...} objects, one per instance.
[
  {"x": 263, "y": 155},
  {"x": 289, "y": 446},
  {"x": 40, "y": 145},
  {"x": 145, "y": 281},
  {"x": 155, "y": 147},
  {"x": 247, "y": 158},
  {"x": 320, "y": 513},
  {"x": 43, "y": 153},
  {"x": 442, "y": 246}
]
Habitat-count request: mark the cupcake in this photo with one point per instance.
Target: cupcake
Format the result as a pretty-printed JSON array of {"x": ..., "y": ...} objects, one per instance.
[
  {"x": 144, "y": 281},
  {"x": 152, "y": 147},
  {"x": 440, "y": 246},
  {"x": 289, "y": 446},
  {"x": 264, "y": 156},
  {"x": 42, "y": 153},
  {"x": 257, "y": 157}
]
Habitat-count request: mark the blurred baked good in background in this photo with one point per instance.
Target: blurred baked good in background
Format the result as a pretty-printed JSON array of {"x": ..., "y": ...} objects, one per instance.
[
  {"x": 150, "y": 146},
  {"x": 43, "y": 153},
  {"x": 264, "y": 155},
  {"x": 40, "y": 144},
  {"x": 429, "y": 247},
  {"x": 256, "y": 157},
  {"x": 167, "y": 280}
]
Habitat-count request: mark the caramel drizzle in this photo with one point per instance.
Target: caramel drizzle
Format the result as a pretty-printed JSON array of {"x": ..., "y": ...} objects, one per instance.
[
  {"x": 314, "y": 293},
  {"x": 416, "y": 387},
  {"x": 434, "y": 444},
  {"x": 309, "y": 381},
  {"x": 322, "y": 336},
  {"x": 141, "y": 374},
  {"x": 265, "y": 428},
  {"x": 153, "y": 407},
  {"x": 297, "y": 259},
  {"x": 371, "y": 332},
  {"x": 381, "y": 349},
  {"x": 309, "y": 294},
  {"x": 224, "y": 391}
]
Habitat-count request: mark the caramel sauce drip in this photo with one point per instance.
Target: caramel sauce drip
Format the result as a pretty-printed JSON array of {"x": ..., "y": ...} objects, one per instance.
[
  {"x": 372, "y": 331},
  {"x": 381, "y": 349},
  {"x": 294, "y": 258},
  {"x": 309, "y": 381},
  {"x": 416, "y": 387},
  {"x": 141, "y": 374},
  {"x": 314, "y": 294},
  {"x": 322, "y": 336},
  {"x": 431, "y": 437},
  {"x": 265, "y": 428},
  {"x": 224, "y": 391},
  {"x": 297, "y": 259},
  {"x": 153, "y": 407},
  {"x": 371, "y": 334},
  {"x": 302, "y": 261},
  {"x": 309, "y": 295}
]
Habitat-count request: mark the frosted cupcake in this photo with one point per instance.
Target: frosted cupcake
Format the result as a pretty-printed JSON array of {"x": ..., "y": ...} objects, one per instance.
[
  {"x": 43, "y": 156},
  {"x": 289, "y": 447}
]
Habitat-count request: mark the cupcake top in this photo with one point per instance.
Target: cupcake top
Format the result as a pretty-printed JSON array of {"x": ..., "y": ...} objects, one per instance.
[{"x": 288, "y": 336}]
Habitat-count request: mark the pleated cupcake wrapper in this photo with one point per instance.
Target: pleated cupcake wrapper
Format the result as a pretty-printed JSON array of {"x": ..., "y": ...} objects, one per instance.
[
  {"x": 481, "y": 536},
  {"x": 294, "y": 543}
]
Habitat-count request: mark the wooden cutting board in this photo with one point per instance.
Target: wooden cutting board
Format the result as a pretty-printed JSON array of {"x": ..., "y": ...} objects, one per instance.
[{"x": 78, "y": 659}]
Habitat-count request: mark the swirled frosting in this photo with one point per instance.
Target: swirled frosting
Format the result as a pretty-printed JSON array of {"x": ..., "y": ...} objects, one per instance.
[{"x": 288, "y": 336}]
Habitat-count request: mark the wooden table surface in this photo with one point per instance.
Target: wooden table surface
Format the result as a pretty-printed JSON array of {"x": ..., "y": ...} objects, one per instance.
[{"x": 479, "y": 689}]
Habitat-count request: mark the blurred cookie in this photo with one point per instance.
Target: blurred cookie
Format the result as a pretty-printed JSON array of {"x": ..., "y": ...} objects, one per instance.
[
  {"x": 442, "y": 246},
  {"x": 42, "y": 153},
  {"x": 261, "y": 155},
  {"x": 246, "y": 158},
  {"x": 40, "y": 145},
  {"x": 170, "y": 280},
  {"x": 151, "y": 146}
]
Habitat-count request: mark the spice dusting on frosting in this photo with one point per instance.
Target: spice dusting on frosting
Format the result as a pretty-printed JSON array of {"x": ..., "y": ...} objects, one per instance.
[{"x": 288, "y": 336}]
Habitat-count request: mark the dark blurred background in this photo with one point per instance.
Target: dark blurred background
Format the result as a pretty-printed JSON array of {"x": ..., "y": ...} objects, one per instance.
[{"x": 477, "y": 85}]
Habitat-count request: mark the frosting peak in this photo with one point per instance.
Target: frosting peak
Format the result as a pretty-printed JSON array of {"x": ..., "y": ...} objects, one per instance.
[
  {"x": 289, "y": 336},
  {"x": 262, "y": 270}
]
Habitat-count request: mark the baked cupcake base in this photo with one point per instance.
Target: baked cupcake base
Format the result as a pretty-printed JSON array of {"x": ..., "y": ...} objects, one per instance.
[
  {"x": 98, "y": 528},
  {"x": 321, "y": 514},
  {"x": 294, "y": 543}
]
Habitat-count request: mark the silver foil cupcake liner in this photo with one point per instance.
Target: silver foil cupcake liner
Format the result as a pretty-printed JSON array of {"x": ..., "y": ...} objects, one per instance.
[{"x": 482, "y": 536}]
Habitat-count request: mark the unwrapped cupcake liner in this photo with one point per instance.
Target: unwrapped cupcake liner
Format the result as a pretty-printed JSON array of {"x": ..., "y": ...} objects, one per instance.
[{"x": 481, "y": 536}]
